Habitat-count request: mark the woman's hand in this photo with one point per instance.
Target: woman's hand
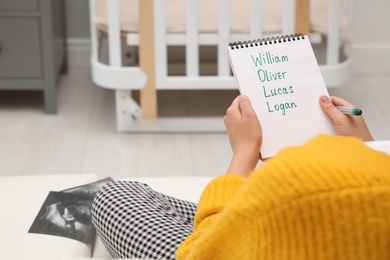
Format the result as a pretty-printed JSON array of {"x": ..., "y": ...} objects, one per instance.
[
  {"x": 346, "y": 125},
  {"x": 245, "y": 136}
]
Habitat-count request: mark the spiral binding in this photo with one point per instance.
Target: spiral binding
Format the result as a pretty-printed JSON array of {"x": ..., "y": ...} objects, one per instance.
[{"x": 266, "y": 41}]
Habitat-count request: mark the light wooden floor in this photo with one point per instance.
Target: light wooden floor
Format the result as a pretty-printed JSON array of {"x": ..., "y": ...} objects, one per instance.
[{"x": 82, "y": 138}]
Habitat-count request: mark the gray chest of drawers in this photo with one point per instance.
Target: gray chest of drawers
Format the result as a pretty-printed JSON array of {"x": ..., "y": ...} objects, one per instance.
[{"x": 33, "y": 47}]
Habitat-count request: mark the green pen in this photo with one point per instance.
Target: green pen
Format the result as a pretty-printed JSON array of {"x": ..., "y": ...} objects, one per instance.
[{"x": 350, "y": 110}]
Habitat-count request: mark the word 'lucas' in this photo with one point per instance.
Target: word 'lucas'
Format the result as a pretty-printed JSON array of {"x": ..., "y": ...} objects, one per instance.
[{"x": 271, "y": 108}]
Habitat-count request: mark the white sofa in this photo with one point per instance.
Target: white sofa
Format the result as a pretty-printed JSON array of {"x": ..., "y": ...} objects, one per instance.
[{"x": 21, "y": 198}]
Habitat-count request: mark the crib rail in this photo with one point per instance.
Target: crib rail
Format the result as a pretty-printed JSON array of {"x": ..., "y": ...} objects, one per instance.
[
  {"x": 152, "y": 39},
  {"x": 112, "y": 75},
  {"x": 192, "y": 40}
]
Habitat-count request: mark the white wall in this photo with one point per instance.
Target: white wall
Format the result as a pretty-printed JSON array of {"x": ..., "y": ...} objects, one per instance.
[
  {"x": 77, "y": 18},
  {"x": 371, "y": 47}
]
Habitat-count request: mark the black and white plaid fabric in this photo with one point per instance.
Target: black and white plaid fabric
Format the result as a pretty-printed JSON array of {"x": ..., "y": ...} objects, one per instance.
[{"x": 134, "y": 221}]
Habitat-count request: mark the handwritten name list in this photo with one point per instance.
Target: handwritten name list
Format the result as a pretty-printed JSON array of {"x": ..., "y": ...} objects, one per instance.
[
  {"x": 266, "y": 76},
  {"x": 284, "y": 82}
]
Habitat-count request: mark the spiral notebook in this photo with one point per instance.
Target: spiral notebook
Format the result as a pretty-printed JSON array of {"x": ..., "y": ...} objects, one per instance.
[{"x": 281, "y": 77}]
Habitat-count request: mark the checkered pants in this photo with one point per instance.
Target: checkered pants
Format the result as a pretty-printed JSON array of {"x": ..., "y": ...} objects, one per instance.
[{"x": 134, "y": 221}]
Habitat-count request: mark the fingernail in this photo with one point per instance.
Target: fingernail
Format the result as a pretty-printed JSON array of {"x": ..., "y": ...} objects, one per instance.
[
  {"x": 243, "y": 97},
  {"x": 324, "y": 99}
]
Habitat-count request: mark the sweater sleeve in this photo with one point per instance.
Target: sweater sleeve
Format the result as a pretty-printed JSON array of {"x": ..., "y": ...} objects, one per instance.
[{"x": 214, "y": 198}]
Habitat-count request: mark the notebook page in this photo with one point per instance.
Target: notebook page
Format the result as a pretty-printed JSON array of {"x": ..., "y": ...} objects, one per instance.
[{"x": 284, "y": 83}]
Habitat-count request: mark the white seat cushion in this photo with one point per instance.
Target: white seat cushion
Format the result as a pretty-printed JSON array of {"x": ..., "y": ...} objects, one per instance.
[{"x": 23, "y": 196}]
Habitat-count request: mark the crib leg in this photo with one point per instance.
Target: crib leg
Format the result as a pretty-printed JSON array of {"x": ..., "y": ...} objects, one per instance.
[{"x": 127, "y": 110}]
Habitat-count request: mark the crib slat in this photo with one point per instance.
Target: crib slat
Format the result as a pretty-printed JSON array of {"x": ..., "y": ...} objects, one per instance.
[
  {"x": 160, "y": 42},
  {"x": 114, "y": 38},
  {"x": 333, "y": 40},
  {"x": 255, "y": 13},
  {"x": 192, "y": 49},
  {"x": 302, "y": 16},
  {"x": 288, "y": 16},
  {"x": 349, "y": 5},
  {"x": 223, "y": 37},
  {"x": 94, "y": 46}
]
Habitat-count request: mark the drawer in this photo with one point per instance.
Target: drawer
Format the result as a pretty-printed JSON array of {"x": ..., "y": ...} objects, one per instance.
[
  {"x": 20, "y": 53},
  {"x": 18, "y": 5}
]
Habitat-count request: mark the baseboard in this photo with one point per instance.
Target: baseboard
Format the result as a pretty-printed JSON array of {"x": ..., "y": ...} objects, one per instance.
[
  {"x": 371, "y": 58},
  {"x": 79, "y": 52},
  {"x": 367, "y": 58}
]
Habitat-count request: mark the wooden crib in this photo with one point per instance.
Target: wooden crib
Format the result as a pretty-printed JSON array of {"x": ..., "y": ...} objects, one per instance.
[{"x": 152, "y": 39}]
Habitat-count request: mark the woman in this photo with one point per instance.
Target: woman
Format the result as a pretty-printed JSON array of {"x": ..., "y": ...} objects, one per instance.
[{"x": 327, "y": 199}]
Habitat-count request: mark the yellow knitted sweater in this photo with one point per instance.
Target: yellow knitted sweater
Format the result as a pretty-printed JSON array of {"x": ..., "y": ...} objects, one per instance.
[{"x": 327, "y": 199}]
